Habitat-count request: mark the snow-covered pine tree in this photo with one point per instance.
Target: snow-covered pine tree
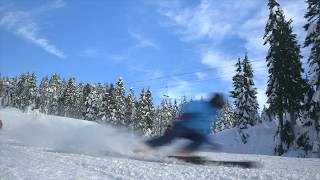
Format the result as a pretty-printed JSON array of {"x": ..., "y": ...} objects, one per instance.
[
  {"x": 175, "y": 109},
  {"x": 101, "y": 91},
  {"x": 12, "y": 92},
  {"x": 225, "y": 120},
  {"x": 238, "y": 95},
  {"x": 26, "y": 91},
  {"x": 55, "y": 85},
  {"x": 13, "y": 97},
  {"x": 103, "y": 111},
  {"x": 44, "y": 95},
  {"x": 238, "y": 86},
  {"x": 183, "y": 101},
  {"x": 149, "y": 116},
  {"x": 69, "y": 98},
  {"x": 9, "y": 97},
  {"x": 165, "y": 116},
  {"x": 285, "y": 85},
  {"x": 131, "y": 109},
  {"x": 313, "y": 41},
  {"x": 78, "y": 101},
  {"x": 145, "y": 112},
  {"x": 120, "y": 102},
  {"x": 156, "y": 130},
  {"x": 110, "y": 107},
  {"x": 61, "y": 110},
  {"x": 310, "y": 138},
  {"x": 84, "y": 93},
  {"x": 251, "y": 105},
  {"x": 33, "y": 90},
  {"x": 140, "y": 110},
  {"x": 2, "y": 90},
  {"x": 93, "y": 104}
]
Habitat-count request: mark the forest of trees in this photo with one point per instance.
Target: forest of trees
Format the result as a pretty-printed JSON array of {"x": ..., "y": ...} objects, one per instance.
[
  {"x": 94, "y": 102},
  {"x": 293, "y": 98}
]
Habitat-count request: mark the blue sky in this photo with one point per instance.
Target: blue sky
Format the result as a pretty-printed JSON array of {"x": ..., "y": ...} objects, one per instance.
[{"x": 177, "y": 48}]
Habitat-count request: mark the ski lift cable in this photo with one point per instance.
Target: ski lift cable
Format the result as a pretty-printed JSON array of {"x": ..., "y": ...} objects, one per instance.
[
  {"x": 201, "y": 81},
  {"x": 141, "y": 83},
  {"x": 185, "y": 73},
  {"x": 198, "y": 81},
  {"x": 214, "y": 77}
]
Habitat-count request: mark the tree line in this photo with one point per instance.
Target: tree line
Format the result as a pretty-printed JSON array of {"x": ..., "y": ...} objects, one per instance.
[{"x": 109, "y": 103}]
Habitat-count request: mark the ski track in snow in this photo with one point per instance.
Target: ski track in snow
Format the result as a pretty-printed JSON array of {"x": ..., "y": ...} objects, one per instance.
[{"x": 24, "y": 158}]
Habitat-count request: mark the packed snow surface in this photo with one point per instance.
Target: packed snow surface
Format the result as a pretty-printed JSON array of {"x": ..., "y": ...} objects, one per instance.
[{"x": 37, "y": 146}]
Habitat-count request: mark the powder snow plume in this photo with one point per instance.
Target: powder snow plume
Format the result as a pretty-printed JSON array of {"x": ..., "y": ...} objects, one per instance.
[{"x": 63, "y": 134}]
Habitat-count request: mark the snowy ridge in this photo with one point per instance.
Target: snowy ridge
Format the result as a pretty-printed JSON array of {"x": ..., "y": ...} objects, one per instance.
[{"x": 38, "y": 146}]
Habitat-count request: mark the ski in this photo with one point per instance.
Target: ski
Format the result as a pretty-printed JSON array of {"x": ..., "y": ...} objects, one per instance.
[
  {"x": 200, "y": 160},
  {"x": 196, "y": 160}
]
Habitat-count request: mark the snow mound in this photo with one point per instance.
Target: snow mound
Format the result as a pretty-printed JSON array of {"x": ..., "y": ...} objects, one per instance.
[{"x": 260, "y": 139}]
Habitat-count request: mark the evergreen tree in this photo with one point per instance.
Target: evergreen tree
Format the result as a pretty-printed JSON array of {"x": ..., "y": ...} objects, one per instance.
[
  {"x": 110, "y": 105},
  {"x": 9, "y": 97},
  {"x": 93, "y": 104},
  {"x": 61, "y": 100},
  {"x": 175, "y": 109},
  {"x": 250, "y": 93},
  {"x": 100, "y": 88},
  {"x": 120, "y": 102},
  {"x": 13, "y": 97},
  {"x": 69, "y": 98},
  {"x": 313, "y": 40},
  {"x": 44, "y": 95},
  {"x": 103, "y": 112},
  {"x": 131, "y": 109},
  {"x": 33, "y": 90},
  {"x": 55, "y": 85},
  {"x": 183, "y": 102},
  {"x": 4, "y": 84},
  {"x": 2, "y": 90},
  {"x": 26, "y": 91},
  {"x": 78, "y": 101},
  {"x": 225, "y": 120},
  {"x": 84, "y": 93},
  {"x": 139, "y": 105},
  {"x": 156, "y": 129},
  {"x": 166, "y": 116},
  {"x": 309, "y": 138},
  {"x": 145, "y": 112},
  {"x": 149, "y": 116},
  {"x": 238, "y": 95},
  {"x": 285, "y": 85},
  {"x": 102, "y": 91}
]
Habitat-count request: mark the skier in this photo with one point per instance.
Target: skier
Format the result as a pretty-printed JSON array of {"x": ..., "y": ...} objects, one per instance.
[
  {"x": 1, "y": 124},
  {"x": 193, "y": 124}
]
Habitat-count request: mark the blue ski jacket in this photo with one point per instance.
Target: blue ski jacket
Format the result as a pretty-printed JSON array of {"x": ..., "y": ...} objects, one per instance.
[{"x": 198, "y": 116}]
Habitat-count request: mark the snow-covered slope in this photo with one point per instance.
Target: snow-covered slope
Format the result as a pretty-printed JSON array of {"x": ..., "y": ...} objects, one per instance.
[
  {"x": 260, "y": 140},
  {"x": 37, "y": 146}
]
